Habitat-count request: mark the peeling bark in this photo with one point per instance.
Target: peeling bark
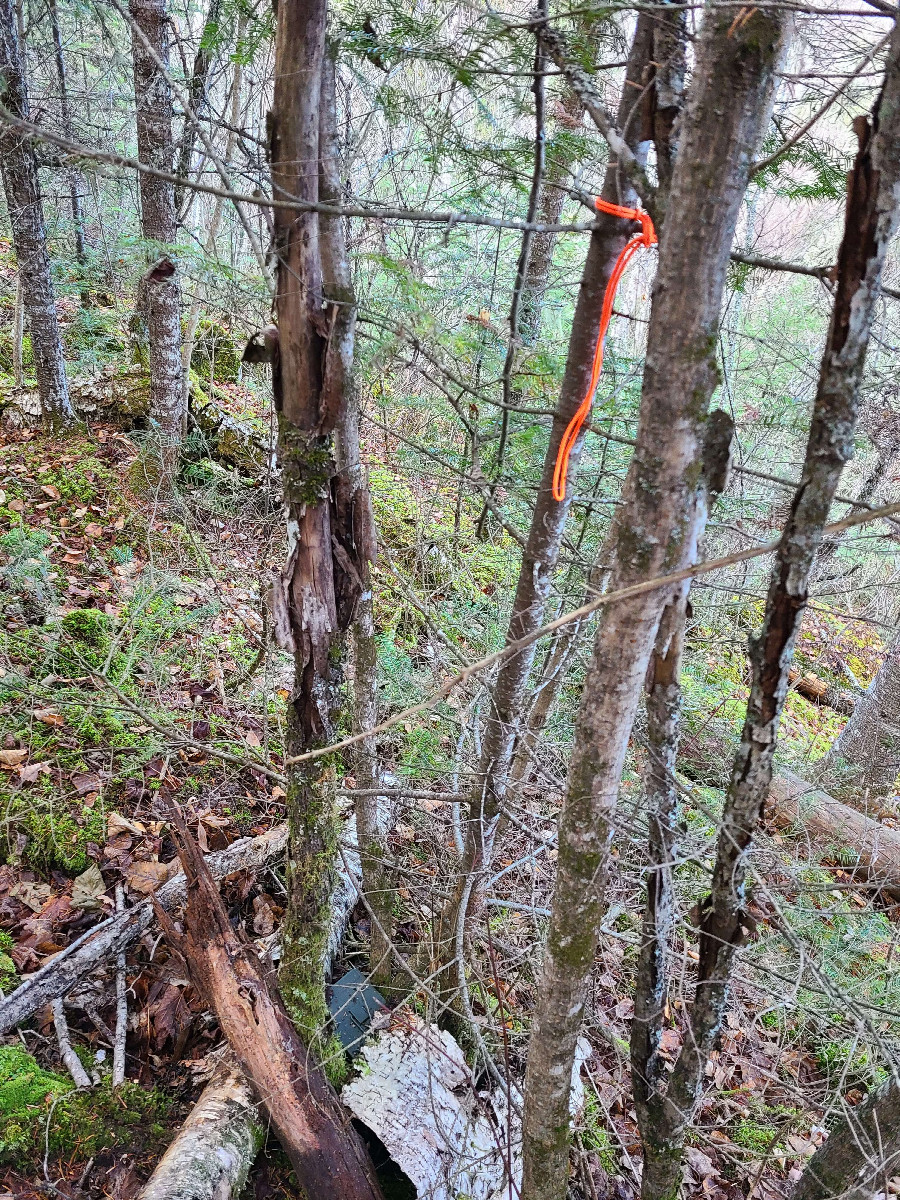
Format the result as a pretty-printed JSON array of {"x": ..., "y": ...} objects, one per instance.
[
  {"x": 327, "y": 1155},
  {"x": 26, "y": 217},
  {"x": 726, "y": 113},
  {"x": 214, "y": 1149}
]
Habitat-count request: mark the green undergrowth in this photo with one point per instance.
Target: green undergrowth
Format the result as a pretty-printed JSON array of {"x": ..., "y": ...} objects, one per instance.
[{"x": 42, "y": 1111}]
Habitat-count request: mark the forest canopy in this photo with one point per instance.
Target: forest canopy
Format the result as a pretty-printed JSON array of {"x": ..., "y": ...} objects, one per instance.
[{"x": 449, "y": 655}]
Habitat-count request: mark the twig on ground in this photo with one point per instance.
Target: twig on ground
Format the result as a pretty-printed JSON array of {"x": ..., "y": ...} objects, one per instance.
[{"x": 70, "y": 1059}]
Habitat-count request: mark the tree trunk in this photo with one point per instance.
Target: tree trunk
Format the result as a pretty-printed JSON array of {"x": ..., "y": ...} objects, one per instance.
[
  {"x": 325, "y": 1151},
  {"x": 871, "y": 219},
  {"x": 726, "y": 114},
  {"x": 547, "y": 528},
  {"x": 197, "y": 96},
  {"x": 214, "y": 1149},
  {"x": 661, "y": 793},
  {"x": 18, "y": 334},
  {"x": 26, "y": 216},
  {"x": 162, "y": 293},
  {"x": 864, "y": 760},
  {"x": 315, "y": 600},
  {"x": 861, "y": 1154},
  {"x": 75, "y": 177}
]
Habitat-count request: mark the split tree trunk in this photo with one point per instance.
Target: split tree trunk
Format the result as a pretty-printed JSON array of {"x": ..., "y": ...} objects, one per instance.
[
  {"x": 315, "y": 599},
  {"x": 26, "y": 216},
  {"x": 726, "y": 114},
  {"x": 214, "y": 1149},
  {"x": 161, "y": 298},
  {"x": 548, "y": 524},
  {"x": 864, "y": 760},
  {"x": 871, "y": 220},
  {"x": 328, "y": 1157}
]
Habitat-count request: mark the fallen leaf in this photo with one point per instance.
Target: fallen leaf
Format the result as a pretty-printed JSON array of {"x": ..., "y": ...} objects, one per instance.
[
  {"x": 16, "y": 505},
  {"x": 252, "y": 739},
  {"x": 29, "y": 773},
  {"x": 32, "y": 894},
  {"x": 49, "y": 490},
  {"x": 93, "y": 530},
  {"x": 48, "y": 717},
  {"x": 88, "y": 888},
  {"x": 86, "y": 783},
  {"x": 116, "y": 823},
  {"x": 263, "y": 916},
  {"x": 278, "y": 792},
  {"x": 119, "y": 523},
  {"x": 146, "y": 877},
  {"x": 699, "y": 1162},
  {"x": 12, "y": 758}
]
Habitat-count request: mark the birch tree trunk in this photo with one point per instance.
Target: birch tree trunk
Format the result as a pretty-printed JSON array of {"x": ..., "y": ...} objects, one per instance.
[
  {"x": 26, "y": 217},
  {"x": 871, "y": 220},
  {"x": 315, "y": 599},
  {"x": 547, "y": 525},
  {"x": 161, "y": 289},
  {"x": 726, "y": 113},
  {"x": 863, "y": 762}
]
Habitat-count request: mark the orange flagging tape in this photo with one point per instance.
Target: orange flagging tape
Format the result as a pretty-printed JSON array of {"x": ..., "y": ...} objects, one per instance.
[{"x": 647, "y": 237}]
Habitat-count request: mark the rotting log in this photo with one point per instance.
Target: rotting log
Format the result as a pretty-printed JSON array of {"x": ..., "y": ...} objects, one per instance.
[
  {"x": 848, "y": 838},
  {"x": 102, "y": 943},
  {"x": 214, "y": 1150},
  {"x": 327, "y": 1155}
]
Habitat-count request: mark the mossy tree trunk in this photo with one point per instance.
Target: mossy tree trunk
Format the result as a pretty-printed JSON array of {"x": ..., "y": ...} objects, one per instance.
[
  {"x": 26, "y": 216},
  {"x": 726, "y": 112},
  {"x": 315, "y": 599}
]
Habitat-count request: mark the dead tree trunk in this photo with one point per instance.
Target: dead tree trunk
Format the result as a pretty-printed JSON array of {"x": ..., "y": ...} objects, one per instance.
[
  {"x": 316, "y": 596},
  {"x": 726, "y": 112},
  {"x": 76, "y": 179},
  {"x": 214, "y": 1149},
  {"x": 863, "y": 762},
  {"x": 547, "y": 524},
  {"x": 327, "y": 1155},
  {"x": 861, "y": 1153},
  {"x": 161, "y": 292},
  {"x": 871, "y": 219},
  {"x": 26, "y": 216}
]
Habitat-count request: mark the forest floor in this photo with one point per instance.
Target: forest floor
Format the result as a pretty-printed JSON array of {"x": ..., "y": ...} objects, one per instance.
[{"x": 133, "y": 659}]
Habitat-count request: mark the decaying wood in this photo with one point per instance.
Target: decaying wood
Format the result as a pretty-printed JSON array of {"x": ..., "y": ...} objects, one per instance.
[
  {"x": 417, "y": 1093},
  {"x": 103, "y": 943},
  {"x": 70, "y": 1059},
  {"x": 327, "y": 1155},
  {"x": 845, "y": 837},
  {"x": 820, "y": 691},
  {"x": 214, "y": 1150}
]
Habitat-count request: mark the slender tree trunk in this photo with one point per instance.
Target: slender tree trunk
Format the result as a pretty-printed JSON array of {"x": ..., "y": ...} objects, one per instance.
[
  {"x": 315, "y": 600},
  {"x": 661, "y": 794},
  {"x": 864, "y": 759},
  {"x": 26, "y": 216},
  {"x": 871, "y": 220},
  {"x": 197, "y": 96},
  {"x": 547, "y": 528},
  {"x": 193, "y": 321},
  {"x": 18, "y": 333},
  {"x": 161, "y": 290},
  {"x": 76, "y": 180},
  {"x": 726, "y": 114}
]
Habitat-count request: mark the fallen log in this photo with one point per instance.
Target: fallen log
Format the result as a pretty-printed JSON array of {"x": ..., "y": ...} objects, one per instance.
[
  {"x": 328, "y": 1157},
  {"x": 821, "y": 692},
  {"x": 214, "y": 1150},
  {"x": 845, "y": 837},
  {"x": 106, "y": 940}
]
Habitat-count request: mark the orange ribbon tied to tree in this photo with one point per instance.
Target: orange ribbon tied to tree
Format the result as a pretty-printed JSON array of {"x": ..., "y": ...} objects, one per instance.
[{"x": 646, "y": 237}]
